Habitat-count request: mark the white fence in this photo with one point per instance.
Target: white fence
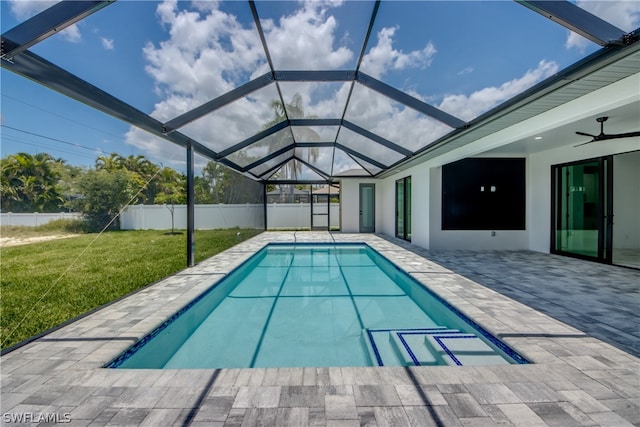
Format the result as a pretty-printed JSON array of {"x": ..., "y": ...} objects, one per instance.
[
  {"x": 158, "y": 217},
  {"x": 298, "y": 215},
  {"x": 34, "y": 219},
  {"x": 280, "y": 215}
]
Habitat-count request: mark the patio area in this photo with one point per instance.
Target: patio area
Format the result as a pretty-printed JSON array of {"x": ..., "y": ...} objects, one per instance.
[{"x": 577, "y": 322}]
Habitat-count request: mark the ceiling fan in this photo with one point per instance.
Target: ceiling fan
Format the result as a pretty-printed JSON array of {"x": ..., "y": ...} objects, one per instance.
[{"x": 603, "y": 136}]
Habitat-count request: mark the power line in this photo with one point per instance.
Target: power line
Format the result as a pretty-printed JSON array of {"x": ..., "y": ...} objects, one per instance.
[
  {"x": 54, "y": 139},
  {"x": 60, "y": 115},
  {"x": 50, "y": 148}
]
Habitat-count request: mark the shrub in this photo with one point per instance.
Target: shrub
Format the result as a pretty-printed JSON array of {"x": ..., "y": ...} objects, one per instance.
[{"x": 67, "y": 225}]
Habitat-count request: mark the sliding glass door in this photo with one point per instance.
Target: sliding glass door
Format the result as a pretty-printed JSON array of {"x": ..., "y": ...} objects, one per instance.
[
  {"x": 582, "y": 209},
  {"x": 403, "y": 208}
]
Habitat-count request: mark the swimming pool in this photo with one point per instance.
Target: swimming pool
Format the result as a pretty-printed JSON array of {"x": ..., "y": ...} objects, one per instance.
[{"x": 316, "y": 305}]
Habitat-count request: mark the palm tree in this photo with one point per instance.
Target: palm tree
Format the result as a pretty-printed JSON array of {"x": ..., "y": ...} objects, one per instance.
[
  {"x": 29, "y": 183},
  {"x": 109, "y": 163},
  {"x": 141, "y": 173},
  {"x": 293, "y": 110}
]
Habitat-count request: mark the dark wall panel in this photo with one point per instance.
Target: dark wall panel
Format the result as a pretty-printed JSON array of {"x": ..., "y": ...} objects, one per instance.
[{"x": 484, "y": 194}]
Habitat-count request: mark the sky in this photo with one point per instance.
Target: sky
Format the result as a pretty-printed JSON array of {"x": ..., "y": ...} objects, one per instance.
[{"x": 165, "y": 58}]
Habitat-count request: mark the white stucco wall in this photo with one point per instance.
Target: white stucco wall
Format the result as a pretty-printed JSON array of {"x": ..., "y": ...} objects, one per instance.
[
  {"x": 420, "y": 189},
  {"x": 626, "y": 201},
  {"x": 350, "y": 204},
  {"x": 420, "y": 212}
]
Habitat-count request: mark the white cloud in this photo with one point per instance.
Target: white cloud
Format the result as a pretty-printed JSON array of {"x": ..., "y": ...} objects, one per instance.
[
  {"x": 383, "y": 56},
  {"x": 393, "y": 121},
  {"x": 25, "y": 9},
  {"x": 209, "y": 52},
  {"x": 205, "y": 55},
  {"x": 107, "y": 43},
  {"x": 466, "y": 70},
  {"x": 414, "y": 130},
  {"x": 467, "y": 107},
  {"x": 305, "y": 39},
  {"x": 156, "y": 149},
  {"x": 319, "y": 100},
  {"x": 71, "y": 33},
  {"x": 624, "y": 14}
]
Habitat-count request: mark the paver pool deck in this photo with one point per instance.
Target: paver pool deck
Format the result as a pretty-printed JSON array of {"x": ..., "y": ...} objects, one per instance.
[{"x": 576, "y": 378}]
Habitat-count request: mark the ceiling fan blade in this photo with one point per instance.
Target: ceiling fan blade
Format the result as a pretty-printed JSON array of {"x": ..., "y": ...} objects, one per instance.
[
  {"x": 603, "y": 136},
  {"x": 585, "y": 134},
  {"x": 620, "y": 135}
]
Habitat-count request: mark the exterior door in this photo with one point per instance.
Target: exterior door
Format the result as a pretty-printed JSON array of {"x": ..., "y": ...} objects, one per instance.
[
  {"x": 582, "y": 209},
  {"x": 403, "y": 208},
  {"x": 367, "y": 208}
]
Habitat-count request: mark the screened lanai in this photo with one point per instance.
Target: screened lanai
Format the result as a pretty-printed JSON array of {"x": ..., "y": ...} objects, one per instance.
[
  {"x": 312, "y": 92},
  {"x": 301, "y": 98},
  {"x": 361, "y": 108}
]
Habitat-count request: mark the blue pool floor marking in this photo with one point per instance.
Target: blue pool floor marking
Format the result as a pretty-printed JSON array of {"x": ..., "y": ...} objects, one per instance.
[
  {"x": 278, "y": 296},
  {"x": 353, "y": 301},
  {"x": 317, "y": 296},
  {"x": 273, "y": 307}
]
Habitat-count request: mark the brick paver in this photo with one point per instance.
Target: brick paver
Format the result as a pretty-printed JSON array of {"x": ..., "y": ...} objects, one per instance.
[{"x": 574, "y": 319}]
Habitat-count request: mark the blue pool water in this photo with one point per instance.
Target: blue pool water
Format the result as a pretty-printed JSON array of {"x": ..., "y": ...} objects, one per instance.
[{"x": 316, "y": 305}]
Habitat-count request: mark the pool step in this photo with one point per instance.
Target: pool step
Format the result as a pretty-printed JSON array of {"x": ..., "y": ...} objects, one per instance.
[
  {"x": 385, "y": 347},
  {"x": 428, "y": 346},
  {"x": 411, "y": 349},
  {"x": 462, "y": 349}
]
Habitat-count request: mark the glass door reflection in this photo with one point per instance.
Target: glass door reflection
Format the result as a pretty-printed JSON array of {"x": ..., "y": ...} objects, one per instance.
[{"x": 581, "y": 226}]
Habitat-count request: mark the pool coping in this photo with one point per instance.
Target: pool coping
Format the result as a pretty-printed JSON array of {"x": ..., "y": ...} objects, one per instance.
[{"x": 572, "y": 373}]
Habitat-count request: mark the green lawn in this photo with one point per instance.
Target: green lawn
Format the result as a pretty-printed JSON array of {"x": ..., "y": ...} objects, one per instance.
[{"x": 45, "y": 284}]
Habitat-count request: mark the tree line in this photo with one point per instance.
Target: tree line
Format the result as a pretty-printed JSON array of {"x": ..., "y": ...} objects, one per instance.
[{"x": 44, "y": 183}]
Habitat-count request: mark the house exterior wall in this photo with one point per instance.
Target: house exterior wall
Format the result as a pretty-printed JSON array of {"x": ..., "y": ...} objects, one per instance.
[
  {"x": 539, "y": 199},
  {"x": 420, "y": 190},
  {"x": 350, "y": 204},
  {"x": 420, "y": 201},
  {"x": 626, "y": 220},
  {"x": 388, "y": 207},
  {"x": 427, "y": 177}
]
